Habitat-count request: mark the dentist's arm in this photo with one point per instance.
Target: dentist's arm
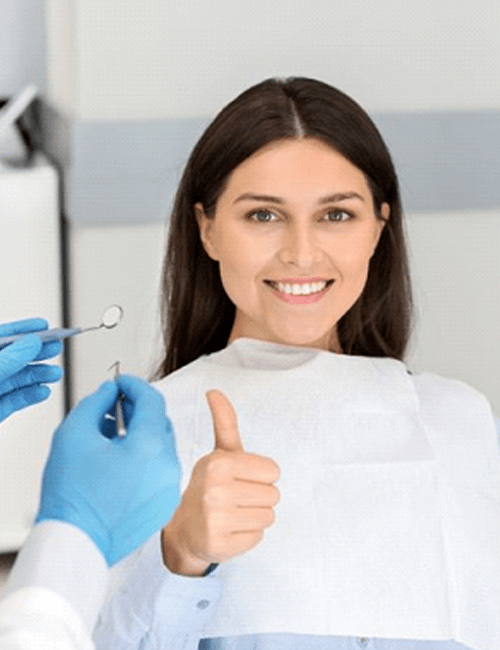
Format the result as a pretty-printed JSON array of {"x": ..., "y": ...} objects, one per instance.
[
  {"x": 23, "y": 382},
  {"x": 102, "y": 497}
]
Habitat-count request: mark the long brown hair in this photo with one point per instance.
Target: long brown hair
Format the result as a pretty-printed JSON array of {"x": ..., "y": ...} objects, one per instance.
[{"x": 197, "y": 315}]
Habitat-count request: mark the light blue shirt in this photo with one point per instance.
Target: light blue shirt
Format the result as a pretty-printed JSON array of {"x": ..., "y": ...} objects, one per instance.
[{"x": 307, "y": 642}]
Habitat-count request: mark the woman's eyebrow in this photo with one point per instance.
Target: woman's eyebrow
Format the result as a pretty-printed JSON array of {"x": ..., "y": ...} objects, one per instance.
[
  {"x": 331, "y": 198},
  {"x": 340, "y": 196},
  {"x": 265, "y": 198}
]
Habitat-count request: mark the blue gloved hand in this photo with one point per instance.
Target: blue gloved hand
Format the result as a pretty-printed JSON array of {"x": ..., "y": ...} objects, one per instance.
[
  {"x": 22, "y": 383},
  {"x": 118, "y": 490}
]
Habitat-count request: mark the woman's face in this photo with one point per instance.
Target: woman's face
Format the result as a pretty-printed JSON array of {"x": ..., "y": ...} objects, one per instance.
[{"x": 293, "y": 231}]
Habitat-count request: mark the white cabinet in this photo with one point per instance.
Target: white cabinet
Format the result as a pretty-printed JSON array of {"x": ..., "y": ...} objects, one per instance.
[{"x": 30, "y": 285}]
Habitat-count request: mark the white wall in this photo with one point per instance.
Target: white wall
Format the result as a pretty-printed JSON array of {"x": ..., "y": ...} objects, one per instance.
[
  {"x": 61, "y": 55},
  {"x": 115, "y": 265},
  {"x": 455, "y": 261},
  {"x": 152, "y": 59}
]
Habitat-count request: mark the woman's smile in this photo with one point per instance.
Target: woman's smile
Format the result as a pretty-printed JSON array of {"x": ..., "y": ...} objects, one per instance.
[{"x": 299, "y": 292}]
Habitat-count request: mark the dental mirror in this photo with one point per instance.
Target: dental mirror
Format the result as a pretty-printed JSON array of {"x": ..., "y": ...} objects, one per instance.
[{"x": 110, "y": 318}]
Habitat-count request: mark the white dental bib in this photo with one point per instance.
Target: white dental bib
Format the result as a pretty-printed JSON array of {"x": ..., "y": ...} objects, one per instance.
[{"x": 389, "y": 519}]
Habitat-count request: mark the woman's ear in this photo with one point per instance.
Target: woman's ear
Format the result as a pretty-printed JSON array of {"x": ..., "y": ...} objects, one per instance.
[
  {"x": 206, "y": 231},
  {"x": 385, "y": 211},
  {"x": 382, "y": 219}
]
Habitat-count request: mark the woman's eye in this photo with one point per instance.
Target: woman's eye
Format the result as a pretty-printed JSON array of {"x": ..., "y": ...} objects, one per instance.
[
  {"x": 338, "y": 215},
  {"x": 262, "y": 216}
]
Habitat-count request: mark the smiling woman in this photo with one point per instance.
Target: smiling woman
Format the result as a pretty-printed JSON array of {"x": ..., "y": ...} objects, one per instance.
[
  {"x": 286, "y": 307},
  {"x": 298, "y": 151}
]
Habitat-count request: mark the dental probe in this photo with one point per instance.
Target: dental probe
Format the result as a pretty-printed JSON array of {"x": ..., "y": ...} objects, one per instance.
[{"x": 120, "y": 422}]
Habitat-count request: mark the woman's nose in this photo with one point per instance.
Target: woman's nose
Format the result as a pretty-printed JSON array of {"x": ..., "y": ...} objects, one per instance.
[{"x": 300, "y": 247}]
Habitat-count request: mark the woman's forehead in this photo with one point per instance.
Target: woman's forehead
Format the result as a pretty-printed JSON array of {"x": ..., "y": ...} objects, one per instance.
[{"x": 296, "y": 166}]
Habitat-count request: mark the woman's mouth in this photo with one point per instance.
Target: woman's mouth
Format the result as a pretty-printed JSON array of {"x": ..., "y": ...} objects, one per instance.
[{"x": 300, "y": 293}]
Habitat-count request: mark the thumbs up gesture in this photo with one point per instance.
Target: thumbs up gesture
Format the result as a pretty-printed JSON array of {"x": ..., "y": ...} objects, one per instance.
[{"x": 227, "y": 504}]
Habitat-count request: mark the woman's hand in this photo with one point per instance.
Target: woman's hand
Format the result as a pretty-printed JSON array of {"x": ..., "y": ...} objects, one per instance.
[{"x": 227, "y": 504}]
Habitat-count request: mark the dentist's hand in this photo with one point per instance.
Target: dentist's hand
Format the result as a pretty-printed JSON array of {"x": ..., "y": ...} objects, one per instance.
[
  {"x": 227, "y": 504},
  {"x": 23, "y": 383},
  {"x": 118, "y": 490}
]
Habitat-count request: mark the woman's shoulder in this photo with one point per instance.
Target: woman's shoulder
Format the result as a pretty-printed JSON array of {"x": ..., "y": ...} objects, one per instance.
[
  {"x": 445, "y": 398},
  {"x": 445, "y": 387}
]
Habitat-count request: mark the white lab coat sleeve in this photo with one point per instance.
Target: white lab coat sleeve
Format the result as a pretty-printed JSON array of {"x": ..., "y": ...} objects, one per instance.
[
  {"x": 34, "y": 618},
  {"x": 61, "y": 558},
  {"x": 54, "y": 591},
  {"x": 150, "y": 608}
]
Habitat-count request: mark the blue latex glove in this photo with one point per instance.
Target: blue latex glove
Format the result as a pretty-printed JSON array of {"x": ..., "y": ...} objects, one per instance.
[
  {"x": 119, "y": 491},
  {"x": 22, "y": 383}
]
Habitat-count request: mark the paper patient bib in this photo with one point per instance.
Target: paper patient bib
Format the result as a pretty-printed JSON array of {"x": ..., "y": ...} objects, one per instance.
[{"x": 389, "y": 521}]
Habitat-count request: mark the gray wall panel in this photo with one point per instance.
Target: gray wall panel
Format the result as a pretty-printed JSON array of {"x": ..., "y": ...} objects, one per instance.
[
  {"x": 445, "y": 161},
  {"x": 127, "y": 172}
]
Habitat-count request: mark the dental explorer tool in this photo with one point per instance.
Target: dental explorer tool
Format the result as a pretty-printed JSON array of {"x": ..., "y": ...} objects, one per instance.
[{"x": 120, "y": 422}]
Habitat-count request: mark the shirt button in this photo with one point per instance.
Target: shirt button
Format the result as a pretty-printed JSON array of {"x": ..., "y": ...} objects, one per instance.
[
  {"x": 203, "y": 604},
  {"x": 363, "y": 641}
]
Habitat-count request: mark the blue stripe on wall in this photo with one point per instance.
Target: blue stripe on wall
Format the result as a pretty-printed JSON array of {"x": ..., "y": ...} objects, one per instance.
[
  {"x": 127, "y": 172},
  {"x": 445, "y": 161}
]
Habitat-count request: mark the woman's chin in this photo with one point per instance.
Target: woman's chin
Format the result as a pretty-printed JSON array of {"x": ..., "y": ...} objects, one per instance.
[{"x": 321, "y": 341}]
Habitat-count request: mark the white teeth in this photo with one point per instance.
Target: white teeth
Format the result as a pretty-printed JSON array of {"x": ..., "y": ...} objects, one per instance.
[{"x": 301, "y": 289}]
